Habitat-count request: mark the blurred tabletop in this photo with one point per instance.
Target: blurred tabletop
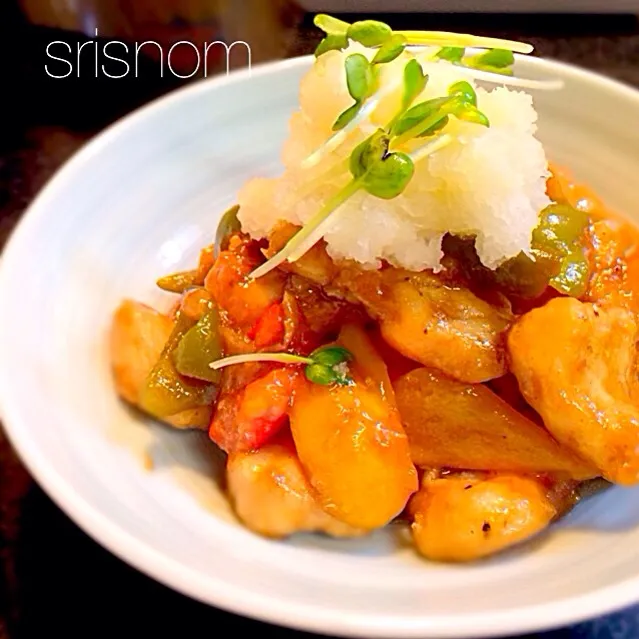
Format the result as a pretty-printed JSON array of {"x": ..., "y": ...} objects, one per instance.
[{"x": 53, "y": 578}]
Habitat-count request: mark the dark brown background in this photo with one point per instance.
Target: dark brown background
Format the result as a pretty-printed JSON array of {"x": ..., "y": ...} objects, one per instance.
[{"x": 54, "y": 580}]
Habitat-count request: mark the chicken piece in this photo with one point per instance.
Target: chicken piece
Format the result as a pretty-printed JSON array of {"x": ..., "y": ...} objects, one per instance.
[
  {"x": 467, "y": 426},
  {"x": 351, "y": 442},
  {"x": 575, "y": 364},
  {"x": 272, "y": 497},
  {"x": 438, "y": 324},
  {"x": 422, "y": 316},
  {"x": 468, "y": 516},
  {"x": 396, "y": 363},
  {"x": 323, "y": 314},
  {"x": 137, "y": 338}
]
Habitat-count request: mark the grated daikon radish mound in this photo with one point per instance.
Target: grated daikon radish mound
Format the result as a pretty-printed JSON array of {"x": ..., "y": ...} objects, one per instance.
[{"x": 489, "y": 181}]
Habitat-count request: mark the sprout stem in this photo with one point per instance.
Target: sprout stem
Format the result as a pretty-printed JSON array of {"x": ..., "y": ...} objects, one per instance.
[
  {"x": 317, "y": 226},
  {"x": 339, "y": 137},
  {"x": 299, "y": 243},
  {"x": 446, "y": 39},
  {"x": 499, "y": 78},
  {"x": 282, "y": 358},
  {"x": 430, "y": 147},
  {"x": 413, "y": 132}
]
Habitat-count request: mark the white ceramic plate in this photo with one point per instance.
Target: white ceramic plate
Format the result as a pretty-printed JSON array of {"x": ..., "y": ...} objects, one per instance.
[{"x": 140, "y": 201}]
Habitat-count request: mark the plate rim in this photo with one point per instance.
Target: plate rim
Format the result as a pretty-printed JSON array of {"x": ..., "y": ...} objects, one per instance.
[{"x": 209, "y": 589}]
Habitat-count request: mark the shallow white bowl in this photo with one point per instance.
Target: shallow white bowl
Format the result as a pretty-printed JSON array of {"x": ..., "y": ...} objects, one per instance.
[{"x": 139, "y": 201}]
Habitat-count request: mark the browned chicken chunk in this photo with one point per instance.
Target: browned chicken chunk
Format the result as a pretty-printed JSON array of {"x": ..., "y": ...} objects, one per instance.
[
  {"x": 440, "y": 324},
  {"x": 575, "y": 364},
  {"x": 468, "y": 516},
  {"x": 272, "y": 497}
]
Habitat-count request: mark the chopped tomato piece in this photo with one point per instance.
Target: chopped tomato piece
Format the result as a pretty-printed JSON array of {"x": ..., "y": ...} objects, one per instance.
[{"x": 248, "y": 419}]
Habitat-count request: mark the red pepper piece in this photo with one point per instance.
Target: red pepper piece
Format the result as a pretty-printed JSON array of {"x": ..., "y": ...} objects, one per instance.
[{"x": 248, "y": 419}]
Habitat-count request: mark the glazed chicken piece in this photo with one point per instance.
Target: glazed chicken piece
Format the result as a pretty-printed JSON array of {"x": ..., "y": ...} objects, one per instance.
[
  {"x": 432, "y": 322},
  {"x": 138, "y": 335},
  {"x": 323, "y": 314},
  {"x": 351, "y": 442},
  {"x": 467, "y": 516},
  {"x": 576, "y": 365},
  {"x": 272, "y": 497},
  {"x": 439, "y": 324}
]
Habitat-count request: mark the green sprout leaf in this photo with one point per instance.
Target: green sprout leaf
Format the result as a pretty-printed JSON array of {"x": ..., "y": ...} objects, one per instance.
[
  {"x": 494, "y": 61},
  {"x": 371, "y": 150},
  {"x": 331, "y": 42},
  {"x": 414, "y": 82},
  {"x": 347, "y": 116},
  {"x": 419, "y": 114},
  {"x": 390, "y": 50},
  {"x": 431, "y": 116},
  {"x": 361, "y": 82},
  {"x": 331, "y": 355},
  {"x": 329, "y": 366},
  {"x": 319, "y": 374},
  {"x": 496, "y": 58},
  {"x": 370, "y": 33},
  {"x": 464, "y": 89},
  {"x": 451, "y": 54},
  {"x": 359, "y": 76},
  {"x": 437, "y": 126},
  {"x": 465, "y": 105},
  {"x": 330, "y": 25},
  {"x": 380, "y": 173},
  {"x": 388, "y": 177},
  {"x": 469, "y": 113},
  {"x": 325, "y": 365},
  {"x": 326, "y": 376}
]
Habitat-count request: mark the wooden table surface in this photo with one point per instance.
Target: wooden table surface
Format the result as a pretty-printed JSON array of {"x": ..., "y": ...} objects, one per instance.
[{"x": 54, "y": 580}]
